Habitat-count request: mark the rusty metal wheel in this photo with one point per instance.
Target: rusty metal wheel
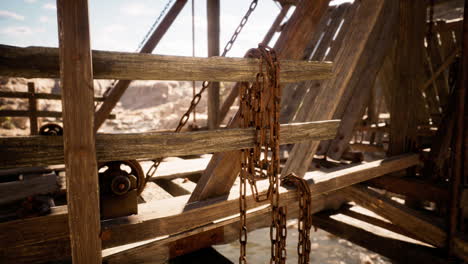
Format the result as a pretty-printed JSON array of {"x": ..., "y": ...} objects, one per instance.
[
  {"x": 51, "y": 129},
  {"x": 124, "y": 168}
]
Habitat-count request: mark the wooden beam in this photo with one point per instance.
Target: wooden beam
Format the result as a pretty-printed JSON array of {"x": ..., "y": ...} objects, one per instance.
[
  {"x": 119, "y": 89},
  {"x": 46, "y": 150},
  {"x": 361, "y": 41},
  {"x": 27, "y": 113},
  {"x": 412, "y": 221},
  {"x": 213, "y": 14},
  {"x": 41, "y": 62},
  {"x": 411, "y": 187},
  {"x": 32, "y": 109},
  {"x": 19, "y": 190},
  {"x": 325, "y": 45},
  {"x": 221, "y": 232},
  {"x": 47, "y": 96},
  {"x": 361, "y": 94},
  {"x": 409, "y": 59},
  {"x": 224, "y": 167},
  {"x": 79, "y": 138},
  {"x": 47, "y": 236},
  {"x": 394, "y": 249},
  {"x": 459, "y": 148}
]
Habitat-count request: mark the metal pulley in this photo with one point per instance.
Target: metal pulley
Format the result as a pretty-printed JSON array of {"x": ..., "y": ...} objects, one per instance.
[
  {"x": 51, "y": 129},
  {"x": 120, "y": 183}
]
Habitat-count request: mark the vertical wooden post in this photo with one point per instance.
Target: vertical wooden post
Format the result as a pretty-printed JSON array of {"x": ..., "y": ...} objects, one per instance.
[
  {"x": 409, "y": 56},
  {"x": 213, "y": 14},
  {"x": 459, "y": 167},
  {"x": 32, "y": 109},
  {"x": 79, "y": 138}
]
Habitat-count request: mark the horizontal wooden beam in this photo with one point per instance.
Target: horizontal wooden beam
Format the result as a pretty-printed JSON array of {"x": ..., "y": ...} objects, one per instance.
[
  {"x": 46, "y": 96},
  {"x": 221, "y": 232},
  {"x": 412, "y": 187},
  {"x": 27, "y": 113},
  {"x": 428, "y": 229},
  {"x": 18, "y": 190},
  {"x": 397, "y": 250},
  {"x": 42, "y": 62},
  {"x": 47, "y": 237},
  {"x": 46, "y": 150}
]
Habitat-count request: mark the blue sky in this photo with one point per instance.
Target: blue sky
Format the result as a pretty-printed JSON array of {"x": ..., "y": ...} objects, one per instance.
[{"x": 120, "y": 25}]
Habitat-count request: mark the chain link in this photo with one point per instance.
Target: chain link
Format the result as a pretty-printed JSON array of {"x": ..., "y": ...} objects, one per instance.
[
  {"x": 260, "y": 109},
  {"x": 305, "y": 216},
  {"x": 196, "y": 99}
]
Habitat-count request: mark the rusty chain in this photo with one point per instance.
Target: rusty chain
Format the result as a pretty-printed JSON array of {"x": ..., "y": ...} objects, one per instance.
[
  {"x": 259, "y": 108},
  {"x": 197, "y": 97},
  {"x": 305, "y": 215}
]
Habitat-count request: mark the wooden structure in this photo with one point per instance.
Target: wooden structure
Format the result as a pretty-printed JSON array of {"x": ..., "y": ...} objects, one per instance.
[{"x": 373, "y": 112}]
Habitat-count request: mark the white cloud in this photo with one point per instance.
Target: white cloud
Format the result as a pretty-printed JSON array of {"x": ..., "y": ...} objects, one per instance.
[
  {"x": 136, "y": 9},
  {"x": 12, "y": 15},
  {"x": 114, "y": 28},
  {"x": 44, "y": 19},
  {"x": 30, "y": 1},
  {"x": 50, "y": 6},
  {"x": 17, "y": 31}
]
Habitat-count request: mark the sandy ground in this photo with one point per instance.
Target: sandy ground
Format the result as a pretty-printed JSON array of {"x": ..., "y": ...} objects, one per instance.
[{"x": 325, "y": 249}]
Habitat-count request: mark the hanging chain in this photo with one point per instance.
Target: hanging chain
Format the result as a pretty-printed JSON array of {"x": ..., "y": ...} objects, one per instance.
[
  {"x": 305, "y": 215},
  {"x": 259, "y": 108},
  {"x": 196, "y": 99}
]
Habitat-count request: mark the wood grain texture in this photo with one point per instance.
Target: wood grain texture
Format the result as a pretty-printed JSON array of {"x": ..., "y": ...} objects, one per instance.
[
  {"x": 76, "y": 74},
  {"x": 158, "y": 250},
  {"x": 362, "y": 36},
  {"x": 213, "y": 24},
  {"x": 31, "y": 239},
  {"x": 42, "y": 62},
  {"x": 397, "y": 250},
  {"x": 409, "y": 57},
  {"x": 412, "y": 221},
  {"x": 18, "y": 190},
  {"x": 37, "y": 96},
  {"x": 224, "y": 167},
  {"x": 362, "y": 83},
  {"x": 46, "y": 150}
]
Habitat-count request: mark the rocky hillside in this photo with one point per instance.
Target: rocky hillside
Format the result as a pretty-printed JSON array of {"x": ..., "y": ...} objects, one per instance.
[{"x": 146, "y": 105}]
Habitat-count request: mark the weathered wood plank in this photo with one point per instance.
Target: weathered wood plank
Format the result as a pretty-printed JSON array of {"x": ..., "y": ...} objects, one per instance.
[
  {"x": 412, "y": 221},
  {"x": 362, "y": 83},
  {"x": 213, "y": 15},
  {"x": 226, "y": 231},
  {"x": 408, "y": 63},
  {"x": 397, "y": 250},
  {"x": 45, "y": 150},
  {"x": 76, "y": 74},
  {"x": 361, "y": 39},
  {"x": 34, "y": 238},
  {"x": 41, "y": 62},
  {"x": 414, "y": 188},
  {"x": 14, "y": 94},
  {"x": 18, "y": 190},
  {"x": 27, "y": 113}
]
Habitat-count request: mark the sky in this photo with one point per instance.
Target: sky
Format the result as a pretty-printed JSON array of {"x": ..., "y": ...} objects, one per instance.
[{"x": 120, "y": 25}]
